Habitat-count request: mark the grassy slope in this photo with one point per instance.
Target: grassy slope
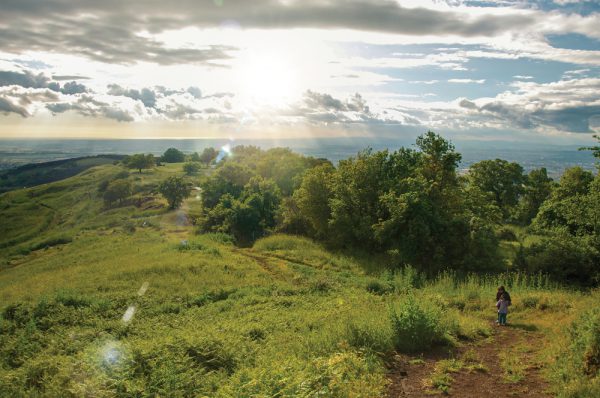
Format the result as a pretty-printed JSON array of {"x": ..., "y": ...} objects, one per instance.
[
  {"x": 285, "y": 318},
  {"x": 41, "y": 173}
]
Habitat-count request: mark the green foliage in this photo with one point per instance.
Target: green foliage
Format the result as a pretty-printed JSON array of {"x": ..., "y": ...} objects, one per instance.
[
  {"x": 191, "y": 168},
  {"x": 502, "y": 179},
  {"x": 116, "y": 191},
  {"x": 416, "y": 326},
  {"x": 173, "y": 155},
  {"x": 537, "y": 189},
  {"x": 566, "y": 258},
  {"x": 247, "y": 216},
  {"x": 577, "y": 369},
  {"x": 208, "y": 155},
  {"x": 175, "y": 190},
  {"x": 140, "y": 161}
]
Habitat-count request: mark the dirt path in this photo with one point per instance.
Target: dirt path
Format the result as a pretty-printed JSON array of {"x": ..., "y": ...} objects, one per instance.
[{"x": 502, "y": 366}]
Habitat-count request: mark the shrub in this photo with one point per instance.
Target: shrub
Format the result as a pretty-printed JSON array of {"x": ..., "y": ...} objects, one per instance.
[
  {"x": 191, "y": 168},
  {"x": 505, "y": 233},
  {"x": 370, "y": 336},
  {"x": 578, "y": 366},
  {"x": 416, "y": 326},
  {"x": 376, "y": 287},
  {"x": 530, "y": 301}
]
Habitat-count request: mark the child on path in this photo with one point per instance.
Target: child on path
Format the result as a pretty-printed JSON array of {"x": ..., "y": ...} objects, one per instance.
[{"x": 502, "y": 306}]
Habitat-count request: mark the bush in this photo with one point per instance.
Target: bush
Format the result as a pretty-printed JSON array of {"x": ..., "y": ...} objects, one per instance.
[
  {"x": 370, "y": 336},
  {"x": 505, "y": 233},
  {"x": 191, "y": 168},
  {"x": 376, "y": 287},
  {"x": 416, "y": 326},
  {"x": 577, "y": 369}
]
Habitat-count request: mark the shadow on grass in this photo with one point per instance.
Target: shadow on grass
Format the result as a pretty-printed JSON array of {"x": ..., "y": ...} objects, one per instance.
[{"x": 524, "y": 326}]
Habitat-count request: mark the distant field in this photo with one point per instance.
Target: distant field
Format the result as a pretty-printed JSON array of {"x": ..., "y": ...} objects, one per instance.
[
  {"x": 130, "y": 302},
  {"x": 41, "y": 173}
]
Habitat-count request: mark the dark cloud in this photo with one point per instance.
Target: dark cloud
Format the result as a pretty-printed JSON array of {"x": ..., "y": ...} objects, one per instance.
[
  {"x": 195, "y": 92},
  {"x": 27, "y": 79},
  {"x": 465, "y": 103},
  {"x": 7, "y": 107},
  {"x": 69, "y": 77},
  {"x": 86, "y": 105},
  {"x": 145, "y": 95},
  {"x": 322, "y": 108},
  {"x": 24, "y": 79},
  {"x": 107, "y": 31},
  {"x": 73, "y": 88},
  {"x": 567, "y": 118}
]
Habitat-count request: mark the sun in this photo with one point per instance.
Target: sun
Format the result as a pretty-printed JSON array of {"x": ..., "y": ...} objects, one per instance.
[{"x": 266, "y": 78}]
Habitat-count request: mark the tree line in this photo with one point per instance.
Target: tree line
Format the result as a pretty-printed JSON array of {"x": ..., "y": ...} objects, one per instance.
[{"x": 412, "y": 204}]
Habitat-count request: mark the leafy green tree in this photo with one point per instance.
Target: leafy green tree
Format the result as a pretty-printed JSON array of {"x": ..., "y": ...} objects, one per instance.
[
  {"x": 313, "y": 199},
  {"x": 248, "y": 217},
  {"x": 117, "y": 191},
  {"x": 194, "y": 157},
  {"x": 503, "y": 179},
  {"x": 537, "y": 189},
  {"x": 208, "y": 155},
  {"x": 229, "y": 178},
  {"x": 140, "y": 161},
  {"x": 574, "y": 181},
  {"x": 573, "y": 205},
  {"x": 173, "y": 155},
  {"x": 175, "y": 190},
  {"x": 191, "y": 168}
]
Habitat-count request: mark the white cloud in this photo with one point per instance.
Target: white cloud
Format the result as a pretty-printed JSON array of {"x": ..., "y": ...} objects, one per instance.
[{"x": 466, "y": 81}]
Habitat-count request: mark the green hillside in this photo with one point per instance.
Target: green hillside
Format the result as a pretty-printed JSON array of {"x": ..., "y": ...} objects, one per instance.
[
  {"x": 129, "y": 301},
  {"x": 42, "y": 173}
]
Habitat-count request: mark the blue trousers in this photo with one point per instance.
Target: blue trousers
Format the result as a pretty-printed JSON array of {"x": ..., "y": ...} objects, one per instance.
[{"x": 502, "y": 318}]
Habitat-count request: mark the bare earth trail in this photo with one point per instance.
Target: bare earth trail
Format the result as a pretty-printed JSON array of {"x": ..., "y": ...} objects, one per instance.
[{"x": 410, "y": 379}]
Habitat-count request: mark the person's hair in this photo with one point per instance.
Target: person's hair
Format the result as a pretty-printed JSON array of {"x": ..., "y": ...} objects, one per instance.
[
  {"x": 503, "y": 296},
  {"x": 501, "y": 288}
]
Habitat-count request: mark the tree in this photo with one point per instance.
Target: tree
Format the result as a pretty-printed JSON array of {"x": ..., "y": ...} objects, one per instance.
[
  {"x": 140, "y": 161},
  {"x": 229, "y": 178},
  {"x": 503, "y": 179},
  {"x": 194, "y": 157},
  {"x": 175, "y": 190},
  {"x": 173, "y": 155},
  {"x": 191, "y": 168},
  {"x": 117, "y": 191},
  {"x": 538, "y": 188},
  {"x": 208, "y": 155},
  {"x": 313, "y": 198}
]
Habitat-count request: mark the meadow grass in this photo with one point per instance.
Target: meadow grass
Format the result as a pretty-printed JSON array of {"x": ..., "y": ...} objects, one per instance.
[{"x": 112, "y": 301}]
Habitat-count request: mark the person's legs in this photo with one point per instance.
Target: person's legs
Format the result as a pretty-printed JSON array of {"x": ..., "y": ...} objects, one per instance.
[
  {"x": 499, "y": 320},
  {"x": 502, "y": 319}
]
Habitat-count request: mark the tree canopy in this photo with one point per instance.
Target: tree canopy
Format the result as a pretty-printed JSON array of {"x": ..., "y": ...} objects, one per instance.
[
  {"x": 175, "y": 190},
  {"x": 173, "y": 155}
]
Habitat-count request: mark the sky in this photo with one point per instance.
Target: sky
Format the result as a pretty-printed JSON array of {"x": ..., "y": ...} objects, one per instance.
[{"x": 472, "y": 70}]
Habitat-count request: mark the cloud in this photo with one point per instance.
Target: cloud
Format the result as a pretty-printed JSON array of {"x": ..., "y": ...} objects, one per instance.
[
  {"x": 523, "y": 77},
  {"x": 7, "y": 106},
  {"x": 466, "y": 81},
  {"x": 26, "y": 79},
  {"x": 86, "y": 105},
  {"x": 145, "y": 95},
  {"x": 564, "y": 106},
  {"x": 125, "y": 32},
  {"x": 69, "y": 77}
]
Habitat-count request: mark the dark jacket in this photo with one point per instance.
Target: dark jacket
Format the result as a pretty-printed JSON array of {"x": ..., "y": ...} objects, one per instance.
[{"x": 498, "y": 294}]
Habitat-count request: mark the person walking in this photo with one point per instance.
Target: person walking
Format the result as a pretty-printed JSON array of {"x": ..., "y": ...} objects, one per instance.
[{"x": 502, "y": 306}]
